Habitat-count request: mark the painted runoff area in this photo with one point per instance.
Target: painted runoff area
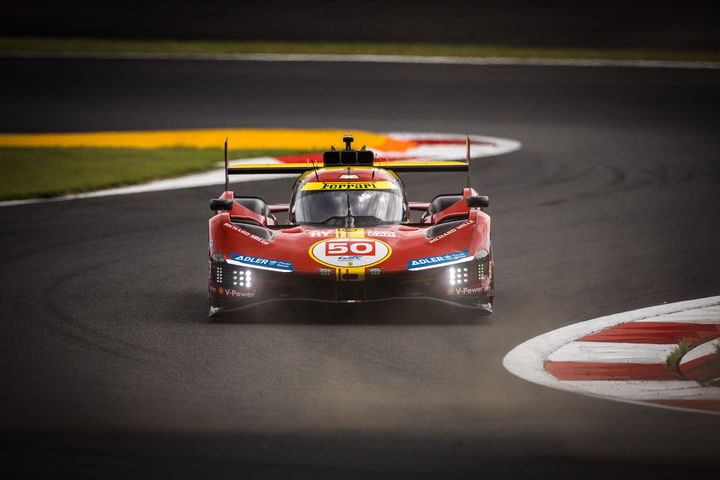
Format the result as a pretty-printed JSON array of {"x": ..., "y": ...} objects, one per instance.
[
  {"x": 393, "y": 146},
  {"x": 624, "y": 357}
]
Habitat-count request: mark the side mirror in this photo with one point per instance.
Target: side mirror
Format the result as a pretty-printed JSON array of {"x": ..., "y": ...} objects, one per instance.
[
  {"x": 479, "y": 201},
  {"x": 221, "y": 204}
]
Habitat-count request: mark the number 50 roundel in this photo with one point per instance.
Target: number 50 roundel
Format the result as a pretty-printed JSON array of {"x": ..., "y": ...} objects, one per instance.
[{"x": 350, "y": 252}]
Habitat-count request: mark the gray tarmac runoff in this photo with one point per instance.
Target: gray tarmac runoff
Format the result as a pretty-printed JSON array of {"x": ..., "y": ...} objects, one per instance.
[{"x": 109, "y": 365}]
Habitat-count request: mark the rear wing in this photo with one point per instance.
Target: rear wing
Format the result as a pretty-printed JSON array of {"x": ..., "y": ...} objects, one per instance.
[
  {"x": 399, "y": 167},
  {"x": 348, "y": 158}
]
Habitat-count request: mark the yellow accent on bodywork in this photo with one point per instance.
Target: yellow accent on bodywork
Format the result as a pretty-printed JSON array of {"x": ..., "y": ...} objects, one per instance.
[{"x": 349, "y": 186}]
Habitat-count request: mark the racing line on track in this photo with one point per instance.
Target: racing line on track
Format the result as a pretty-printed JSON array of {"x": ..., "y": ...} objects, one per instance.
[{"x": 372, "y": 58}]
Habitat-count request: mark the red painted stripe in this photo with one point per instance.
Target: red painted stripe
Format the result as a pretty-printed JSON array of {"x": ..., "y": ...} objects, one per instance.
[
  {"x": 655, "y": 332},
  {"x": 695, "y": 404},
  {"x": 610, "y": 371},
  {"x": 703, "y": 370}
]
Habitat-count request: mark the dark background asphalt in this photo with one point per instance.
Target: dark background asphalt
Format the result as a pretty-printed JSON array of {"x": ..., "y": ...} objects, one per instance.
[
  {"x": 687, "y": 24},
  {"x": 109, "y": 367}
]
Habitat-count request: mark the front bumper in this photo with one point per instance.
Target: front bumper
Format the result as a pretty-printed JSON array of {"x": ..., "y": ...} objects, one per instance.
[{"x": 228, "y": 288}]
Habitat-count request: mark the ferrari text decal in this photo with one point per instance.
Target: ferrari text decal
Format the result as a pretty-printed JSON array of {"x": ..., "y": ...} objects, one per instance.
[
  {"x": 451, "y": 231},
  {"x": 349, "y": 252},
  {"x": 428, "y": 262},
  {"x": 246, "y": 233},
  {"x": 349, "y": 186},
  {"x": 262, "y": 263}
]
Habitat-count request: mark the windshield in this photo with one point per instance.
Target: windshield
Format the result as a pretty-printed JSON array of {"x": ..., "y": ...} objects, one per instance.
[{"x": 366, "y": 207}]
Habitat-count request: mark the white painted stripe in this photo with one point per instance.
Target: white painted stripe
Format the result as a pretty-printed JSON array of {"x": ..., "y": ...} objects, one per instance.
[
  {"x": 647, "y": 390},
  {"x": 527, "y": 359},
  {"x": 369, "y": 58},
  {"x": 704, "y": 350},
  {"x": 612, "y": 352},
  {"x": 494, "y": 146},
  {"x": 701, "y": 315}
]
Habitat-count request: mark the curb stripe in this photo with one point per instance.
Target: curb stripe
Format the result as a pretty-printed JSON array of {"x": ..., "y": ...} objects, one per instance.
[
  {"x": 643, "y": 391},
  {"x": 707, "y": 348},
  {"x": 529, "y": 361},
  {"x": 611, "y": 352},
  {"x": 700, "y": 315},
  {"x": 398, "y": 145},
  {"x": 655, "y": 332},
  {"x": 568, "y": 371}
]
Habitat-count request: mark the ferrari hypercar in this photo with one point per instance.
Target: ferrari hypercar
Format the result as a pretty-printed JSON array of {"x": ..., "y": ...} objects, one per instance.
[{"x": 350, "y": 237}]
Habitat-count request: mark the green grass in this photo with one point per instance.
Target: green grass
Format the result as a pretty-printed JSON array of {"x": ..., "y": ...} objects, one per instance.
[
  {"x": 674, "y": 357},
  {"x": 48, "y": 172},
  {"x": 37, "y": 44}
]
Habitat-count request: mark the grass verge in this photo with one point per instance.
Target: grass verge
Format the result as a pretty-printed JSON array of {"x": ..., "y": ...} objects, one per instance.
[
  {"x": 673, "y": 358},
  {"x": 42, "y": 44},
  {"x": 49, "y": 171}
]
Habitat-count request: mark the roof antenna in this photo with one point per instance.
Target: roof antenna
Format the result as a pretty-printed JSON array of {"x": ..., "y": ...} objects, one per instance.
[
  {"x": 348, "y": 139},
  {"x": 315, "y": 168},
  {"x": 227, "y": 179},
  {"x": 467, "y": 159},
  {"x": 373, "y": 175}
]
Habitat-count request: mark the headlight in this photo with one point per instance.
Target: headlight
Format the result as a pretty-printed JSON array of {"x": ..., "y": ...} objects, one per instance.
[
  {"x": 242, "y": 278},
  {"x": 459, "y": 275},
  {"x": 470, "y": 272}
]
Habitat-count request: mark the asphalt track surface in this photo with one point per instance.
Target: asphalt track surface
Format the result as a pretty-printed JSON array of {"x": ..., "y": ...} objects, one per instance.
[{"x": 109, "y": 366}]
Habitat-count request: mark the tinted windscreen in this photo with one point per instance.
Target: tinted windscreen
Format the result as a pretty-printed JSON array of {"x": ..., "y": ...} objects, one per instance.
[{"x": 366, "y": 207}]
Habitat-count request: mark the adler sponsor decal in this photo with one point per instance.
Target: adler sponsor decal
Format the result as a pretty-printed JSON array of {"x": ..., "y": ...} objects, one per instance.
[
  {"x": 261, "y": 263},
  {"x": 241, "y": 231},
  {"x": 451, "y": 231},
  {"x": 468, "y": 291},
  {"x": 430, "y": 262}
]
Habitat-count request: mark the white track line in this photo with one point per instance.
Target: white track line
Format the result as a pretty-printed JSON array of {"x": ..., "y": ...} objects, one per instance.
[
  {"x": 527, "y": 359},
  {"x": 491, "y": 146},
  {"x": 337, "y": 58}
]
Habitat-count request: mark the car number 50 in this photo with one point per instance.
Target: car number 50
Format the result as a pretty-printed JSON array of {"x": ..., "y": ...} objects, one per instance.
[{"x": 349, "y": 248}]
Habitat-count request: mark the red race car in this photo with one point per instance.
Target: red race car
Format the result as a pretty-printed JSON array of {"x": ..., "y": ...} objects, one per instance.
[{"x": 350, "y": 237}]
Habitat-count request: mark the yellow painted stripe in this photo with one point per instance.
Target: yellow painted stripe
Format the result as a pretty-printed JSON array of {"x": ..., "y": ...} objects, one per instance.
[
  {"x": 359, "y": 271},
  {"x": 239, "y": 139},
  {"x": 355, "y": 232},
  {"x": 349, "y": 186}
]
